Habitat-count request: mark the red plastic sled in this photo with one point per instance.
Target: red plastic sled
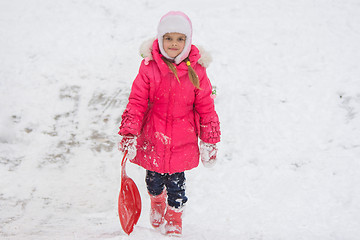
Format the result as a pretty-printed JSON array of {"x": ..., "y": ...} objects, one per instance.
[{"x": 129, "y": 201}]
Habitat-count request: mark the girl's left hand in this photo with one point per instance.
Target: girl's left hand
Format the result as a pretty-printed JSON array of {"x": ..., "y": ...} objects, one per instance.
[{"x": 208, "y": 153}]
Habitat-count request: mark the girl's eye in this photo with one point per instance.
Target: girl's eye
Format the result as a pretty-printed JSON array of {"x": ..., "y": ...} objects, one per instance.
[
  {"x": 167, "y": 38},
  {"x": 181, "y": 39}
]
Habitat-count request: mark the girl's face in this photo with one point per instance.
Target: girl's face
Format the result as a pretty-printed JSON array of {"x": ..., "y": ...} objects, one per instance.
[{"x": 174, "y": 43}]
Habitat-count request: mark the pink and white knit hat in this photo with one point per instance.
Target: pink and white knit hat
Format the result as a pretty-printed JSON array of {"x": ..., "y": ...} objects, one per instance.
[{"x": 178, "y": 22}]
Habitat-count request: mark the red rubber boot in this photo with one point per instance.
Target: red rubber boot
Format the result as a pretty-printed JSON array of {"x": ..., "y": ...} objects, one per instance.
[
  {"x": 173, "y": 219},
  {"x": 157, "y": 211}
]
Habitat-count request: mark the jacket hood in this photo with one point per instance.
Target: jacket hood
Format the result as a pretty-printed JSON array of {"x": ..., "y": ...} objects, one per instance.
[{"x": 146, "y": 51}]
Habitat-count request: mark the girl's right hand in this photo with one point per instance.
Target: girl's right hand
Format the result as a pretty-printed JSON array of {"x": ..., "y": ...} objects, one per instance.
[{"x": 128, "y": 143}]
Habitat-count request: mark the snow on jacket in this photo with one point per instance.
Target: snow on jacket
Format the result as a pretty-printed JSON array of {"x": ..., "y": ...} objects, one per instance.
[{"x": 168, "y": 116}]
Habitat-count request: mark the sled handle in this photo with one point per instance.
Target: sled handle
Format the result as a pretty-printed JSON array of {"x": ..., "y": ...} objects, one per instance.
[
  {"x": 123, "y": 162},
  {"x": 124, "y": 158}
]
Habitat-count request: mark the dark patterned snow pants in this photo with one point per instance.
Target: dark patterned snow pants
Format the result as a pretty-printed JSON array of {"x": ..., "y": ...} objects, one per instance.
[{"x": 174, "y": 183}]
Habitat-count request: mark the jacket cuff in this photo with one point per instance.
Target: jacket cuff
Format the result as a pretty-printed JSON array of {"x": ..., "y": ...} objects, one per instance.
[
  {"x": 130, "y": 124},
  {"x": 210, "y": 131}
]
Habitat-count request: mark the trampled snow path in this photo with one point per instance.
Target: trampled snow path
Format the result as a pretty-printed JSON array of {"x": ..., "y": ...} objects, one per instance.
[{"x": 288, "y": 86}]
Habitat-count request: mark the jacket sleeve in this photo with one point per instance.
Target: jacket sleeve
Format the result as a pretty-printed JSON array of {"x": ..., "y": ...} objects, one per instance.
[
  {"x": 204, "y": 106},
  {"x": 133, "y": 115}
]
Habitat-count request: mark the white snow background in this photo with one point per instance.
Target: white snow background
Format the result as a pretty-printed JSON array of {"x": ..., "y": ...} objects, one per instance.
[{"x": 288, "y": 80}]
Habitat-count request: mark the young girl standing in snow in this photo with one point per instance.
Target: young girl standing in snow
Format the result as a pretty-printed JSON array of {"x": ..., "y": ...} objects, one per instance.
[{"x": 170, "y": 107}]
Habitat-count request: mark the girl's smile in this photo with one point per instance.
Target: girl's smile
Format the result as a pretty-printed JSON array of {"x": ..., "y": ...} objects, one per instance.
[{"x": 174, "y": 44}]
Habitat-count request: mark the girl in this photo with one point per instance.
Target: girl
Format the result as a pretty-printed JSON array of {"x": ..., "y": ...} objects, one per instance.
[{"x": 170, "y": 107}]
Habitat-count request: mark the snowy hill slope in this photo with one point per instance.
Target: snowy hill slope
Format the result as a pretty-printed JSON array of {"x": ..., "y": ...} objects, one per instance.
[{"x": 288, "y": 86}]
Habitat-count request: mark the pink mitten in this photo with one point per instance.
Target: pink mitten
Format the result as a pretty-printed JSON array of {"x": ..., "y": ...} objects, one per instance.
[
  {"x": 208, "y": 153},
  {"x": 128, "y": 143}
]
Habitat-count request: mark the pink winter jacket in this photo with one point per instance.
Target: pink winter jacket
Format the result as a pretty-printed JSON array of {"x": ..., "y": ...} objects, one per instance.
[{"x": 167, "y": 116}]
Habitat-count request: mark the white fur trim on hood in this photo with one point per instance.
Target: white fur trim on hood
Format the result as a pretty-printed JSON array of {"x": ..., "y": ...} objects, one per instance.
[
  {"x": 205, "y": 57},
  {"x": 146, "y": 48}
]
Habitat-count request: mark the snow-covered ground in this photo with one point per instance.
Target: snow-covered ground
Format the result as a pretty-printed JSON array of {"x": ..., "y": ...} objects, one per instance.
[{"x": 288, "y": 81}]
